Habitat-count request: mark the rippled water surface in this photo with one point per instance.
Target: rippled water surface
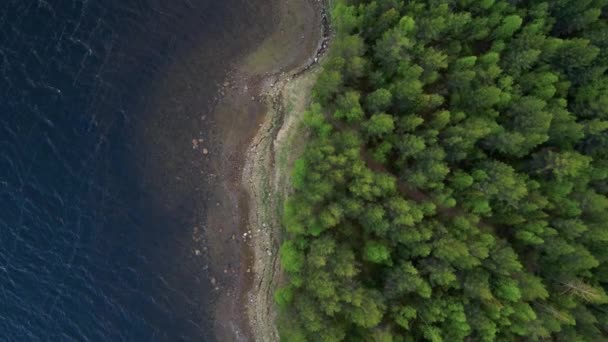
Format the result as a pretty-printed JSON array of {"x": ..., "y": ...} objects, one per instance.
[{"x": 100, "y": 190}]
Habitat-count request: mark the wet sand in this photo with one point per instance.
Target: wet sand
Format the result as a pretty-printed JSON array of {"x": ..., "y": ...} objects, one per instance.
[{"x": 245, "y": 97}]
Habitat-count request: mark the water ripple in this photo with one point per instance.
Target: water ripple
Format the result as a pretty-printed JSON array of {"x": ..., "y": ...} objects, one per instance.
[{"x": 77, "y": 260}]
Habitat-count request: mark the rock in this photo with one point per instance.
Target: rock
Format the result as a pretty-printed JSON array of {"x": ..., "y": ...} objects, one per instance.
[
  {"x": 205, "y": 151},
  {"x": 194, "y": 144},
  {"x": 197, "y": 252},
  {"x": 213, "y": 281},
  {"x": 233, "y": 237}
]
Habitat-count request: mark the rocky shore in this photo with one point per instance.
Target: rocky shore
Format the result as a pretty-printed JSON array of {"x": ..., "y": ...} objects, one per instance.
[
  {"x": 267, "y": 175},
  {"x": 258, "y": 112}
]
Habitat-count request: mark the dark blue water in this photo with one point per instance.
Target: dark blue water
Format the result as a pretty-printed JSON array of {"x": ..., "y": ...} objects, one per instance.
[{"x": 100, "y": 191}]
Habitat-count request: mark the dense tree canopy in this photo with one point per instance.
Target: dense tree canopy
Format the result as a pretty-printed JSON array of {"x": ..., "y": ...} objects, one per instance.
[{"x": 455, "y": 184}]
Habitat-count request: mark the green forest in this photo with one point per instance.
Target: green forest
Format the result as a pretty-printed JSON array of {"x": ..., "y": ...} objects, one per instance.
[{"x": 455, "y": 183}]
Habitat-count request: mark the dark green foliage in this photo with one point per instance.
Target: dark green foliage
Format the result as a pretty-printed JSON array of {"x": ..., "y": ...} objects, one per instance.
[{"x": 454, "y": 187}]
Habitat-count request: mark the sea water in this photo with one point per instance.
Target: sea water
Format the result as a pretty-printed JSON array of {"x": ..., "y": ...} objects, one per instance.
[{"x": 101, "y": 191}]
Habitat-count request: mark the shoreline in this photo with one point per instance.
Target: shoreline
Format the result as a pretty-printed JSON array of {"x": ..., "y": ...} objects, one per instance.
[
  {"x": 266, "y": 177},
  {"x": 248, "y": 109}
]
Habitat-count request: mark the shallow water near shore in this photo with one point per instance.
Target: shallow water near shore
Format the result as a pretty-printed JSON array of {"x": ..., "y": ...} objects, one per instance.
[{"x": 104, "y": 119}]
